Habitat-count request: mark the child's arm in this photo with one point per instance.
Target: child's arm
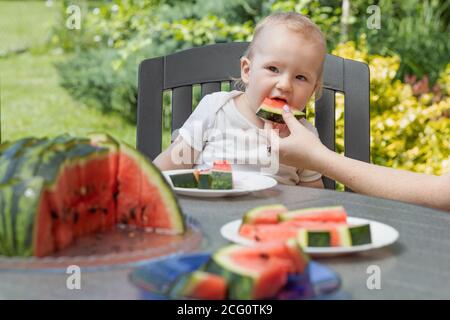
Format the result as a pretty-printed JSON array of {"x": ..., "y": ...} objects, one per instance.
[{"x": 179, "y": 155}]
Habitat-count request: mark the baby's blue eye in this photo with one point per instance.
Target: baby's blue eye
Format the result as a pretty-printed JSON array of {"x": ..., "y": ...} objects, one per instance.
[
  {"x": 301, "y": 77},
  {"x": 272, "y": 68}
]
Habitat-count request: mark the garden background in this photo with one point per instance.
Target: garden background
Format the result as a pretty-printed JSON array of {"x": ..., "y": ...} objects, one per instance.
[{"x": 55, "y": 78}]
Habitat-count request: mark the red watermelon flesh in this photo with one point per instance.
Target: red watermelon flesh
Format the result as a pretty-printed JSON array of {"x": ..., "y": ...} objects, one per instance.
[
  {"x": 221, "y": 165},
  {"x": 213, "y": 287},
  {"x": 319, "y": 226},
  {"x": 287, "y": 230},
  {"x": 268, "y": 232},
  {"x": 140, "y": 200},
  {"x": 272, "y": 273},
  {"x": 325, "y": 214},
  {"x": 43, "y": 242},
  {"x": 285, "y": 251},
  {"x": 84, "y": 205},
  {"x": 272, "y": 262},
  {"x": 267, "y": 214}
]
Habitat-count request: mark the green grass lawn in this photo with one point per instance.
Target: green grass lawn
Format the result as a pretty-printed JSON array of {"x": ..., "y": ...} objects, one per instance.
[
  {"x": 24, "y": 24},
  {"x": 32, "y": 102}
]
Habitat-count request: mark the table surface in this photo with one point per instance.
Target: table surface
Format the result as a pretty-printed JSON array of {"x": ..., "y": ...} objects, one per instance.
[{"x": 417, "y": 266}]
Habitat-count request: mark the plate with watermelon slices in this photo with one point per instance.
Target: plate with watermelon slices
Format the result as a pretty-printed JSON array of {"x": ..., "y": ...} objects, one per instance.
[
  {"x": 181, "y": 277},
  {"x": 381, "y": 235},
  {"x": 184, "y": 182}
]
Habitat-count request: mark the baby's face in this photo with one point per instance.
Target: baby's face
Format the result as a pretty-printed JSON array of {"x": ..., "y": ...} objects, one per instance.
[{"x": 283, "y": 65}]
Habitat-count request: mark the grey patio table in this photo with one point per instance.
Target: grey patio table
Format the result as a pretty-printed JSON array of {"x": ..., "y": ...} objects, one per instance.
[{"x": 417, "y": 266}]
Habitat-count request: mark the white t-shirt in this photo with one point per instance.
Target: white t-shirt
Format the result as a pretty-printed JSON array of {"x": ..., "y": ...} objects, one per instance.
[{"x": 219, "y": 131}]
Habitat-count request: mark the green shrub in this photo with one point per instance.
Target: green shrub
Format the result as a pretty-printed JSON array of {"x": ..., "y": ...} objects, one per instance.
[
  {"x": 407, "y": 131},
  {"x": 91, "y": 78}
]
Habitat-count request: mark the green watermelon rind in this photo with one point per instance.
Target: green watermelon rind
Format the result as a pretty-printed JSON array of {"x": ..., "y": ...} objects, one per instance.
[
  {"x": 240, "y": 281},
  {"x": 17, "y": 228},
  {"x": 275, "y": 114},
  {"x": 355, "y": 235},
  {"x": 292, "y": 214},
  {"x": 184, "y": 180},
  {"x": 186, "y": 284},
  {"x": 314, "y": 238}
]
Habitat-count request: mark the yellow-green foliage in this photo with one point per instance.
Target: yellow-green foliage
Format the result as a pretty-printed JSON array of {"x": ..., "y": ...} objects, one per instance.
[{"x": 407, "y": 131}]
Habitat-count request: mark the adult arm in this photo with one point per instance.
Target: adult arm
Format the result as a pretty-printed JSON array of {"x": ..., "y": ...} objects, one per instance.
[{"x": 303, "y": 149}]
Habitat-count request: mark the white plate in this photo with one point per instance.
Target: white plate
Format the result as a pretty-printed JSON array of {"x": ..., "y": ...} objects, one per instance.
[
  {"x": 243, "y": 183},
  {"x": 382, "y": 235}
]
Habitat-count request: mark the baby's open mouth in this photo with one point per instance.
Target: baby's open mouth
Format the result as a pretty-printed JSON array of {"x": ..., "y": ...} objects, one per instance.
[{"x": 279, "y": 99}]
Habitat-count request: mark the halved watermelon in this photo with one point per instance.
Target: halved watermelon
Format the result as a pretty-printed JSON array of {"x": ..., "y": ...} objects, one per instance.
[
  {"x": 199, "y": 285},
  {"x": 272, "y": 109},
  {"x": 81, "y": 186}
]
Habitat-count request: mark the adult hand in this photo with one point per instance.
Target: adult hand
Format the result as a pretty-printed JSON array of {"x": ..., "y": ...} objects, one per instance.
[{"x": 301, "y": 147}]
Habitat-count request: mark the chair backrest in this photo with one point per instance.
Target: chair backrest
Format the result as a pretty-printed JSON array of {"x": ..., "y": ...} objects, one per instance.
[{"x": 210, "y": 65}]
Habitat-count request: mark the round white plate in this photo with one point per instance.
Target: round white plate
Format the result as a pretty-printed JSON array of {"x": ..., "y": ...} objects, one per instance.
[
  {"x": 243, "y": 183},
  {"x": 382, "y": 235}
]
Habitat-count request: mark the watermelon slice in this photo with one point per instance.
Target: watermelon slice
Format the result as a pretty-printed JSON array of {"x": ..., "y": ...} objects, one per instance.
[
  {"x": 264, "y": 214},
  {"x": 184, "y": 180},
  {"x": 257, "y": 272},
  {"x": 325, "y": 214},
  {"x": 268, "y": 232},
  {"x": 221, "y": 175},
  {"x": 355, "y": 235},
  {"x": 272, "y": 110},
  {"x": 314, "y": 238},
  {"x": 199, "y": 285}
]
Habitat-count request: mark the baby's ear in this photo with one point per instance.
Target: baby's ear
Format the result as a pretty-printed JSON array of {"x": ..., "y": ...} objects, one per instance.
[{"x": 245, "y": 69}]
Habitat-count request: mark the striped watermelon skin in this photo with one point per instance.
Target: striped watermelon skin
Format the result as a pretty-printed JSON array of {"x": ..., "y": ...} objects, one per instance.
[
  {"x": 53, "y": 191},
  {"x": 272, "y": 110},
  {"x": 199, "y": 285}
]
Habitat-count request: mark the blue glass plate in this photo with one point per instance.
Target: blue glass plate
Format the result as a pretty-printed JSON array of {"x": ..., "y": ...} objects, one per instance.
[{"x": 156, "y": 277}]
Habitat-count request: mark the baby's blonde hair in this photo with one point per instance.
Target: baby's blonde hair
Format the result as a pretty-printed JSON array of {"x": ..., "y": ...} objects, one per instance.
[{"x": 297, "y": 23}]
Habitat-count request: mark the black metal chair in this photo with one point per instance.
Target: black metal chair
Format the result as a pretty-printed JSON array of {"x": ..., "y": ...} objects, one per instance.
[{"x": 210, "y": 65}]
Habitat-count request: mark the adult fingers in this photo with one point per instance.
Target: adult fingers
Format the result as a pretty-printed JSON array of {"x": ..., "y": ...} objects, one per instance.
[{"x": 290, "y": 120}]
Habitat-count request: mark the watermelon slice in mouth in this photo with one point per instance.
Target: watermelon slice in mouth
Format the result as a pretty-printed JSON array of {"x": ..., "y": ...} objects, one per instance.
[{"x": 272, "y": 110}]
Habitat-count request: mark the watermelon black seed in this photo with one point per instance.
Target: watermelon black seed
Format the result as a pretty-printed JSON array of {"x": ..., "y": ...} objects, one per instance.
[
  {"x": 124, "y": 220},
  {"x": 133, "y": 213},
  {"x": 264, "y": 256},
  {"x": 93, "y": 210},
  {"x": 76, "y": 215},
  {"x": 54, "y": 215},
  {"x": 105, "y": 211},
  {"x": 143, "y": 213},
  {"x": 116, "y": 195}
]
